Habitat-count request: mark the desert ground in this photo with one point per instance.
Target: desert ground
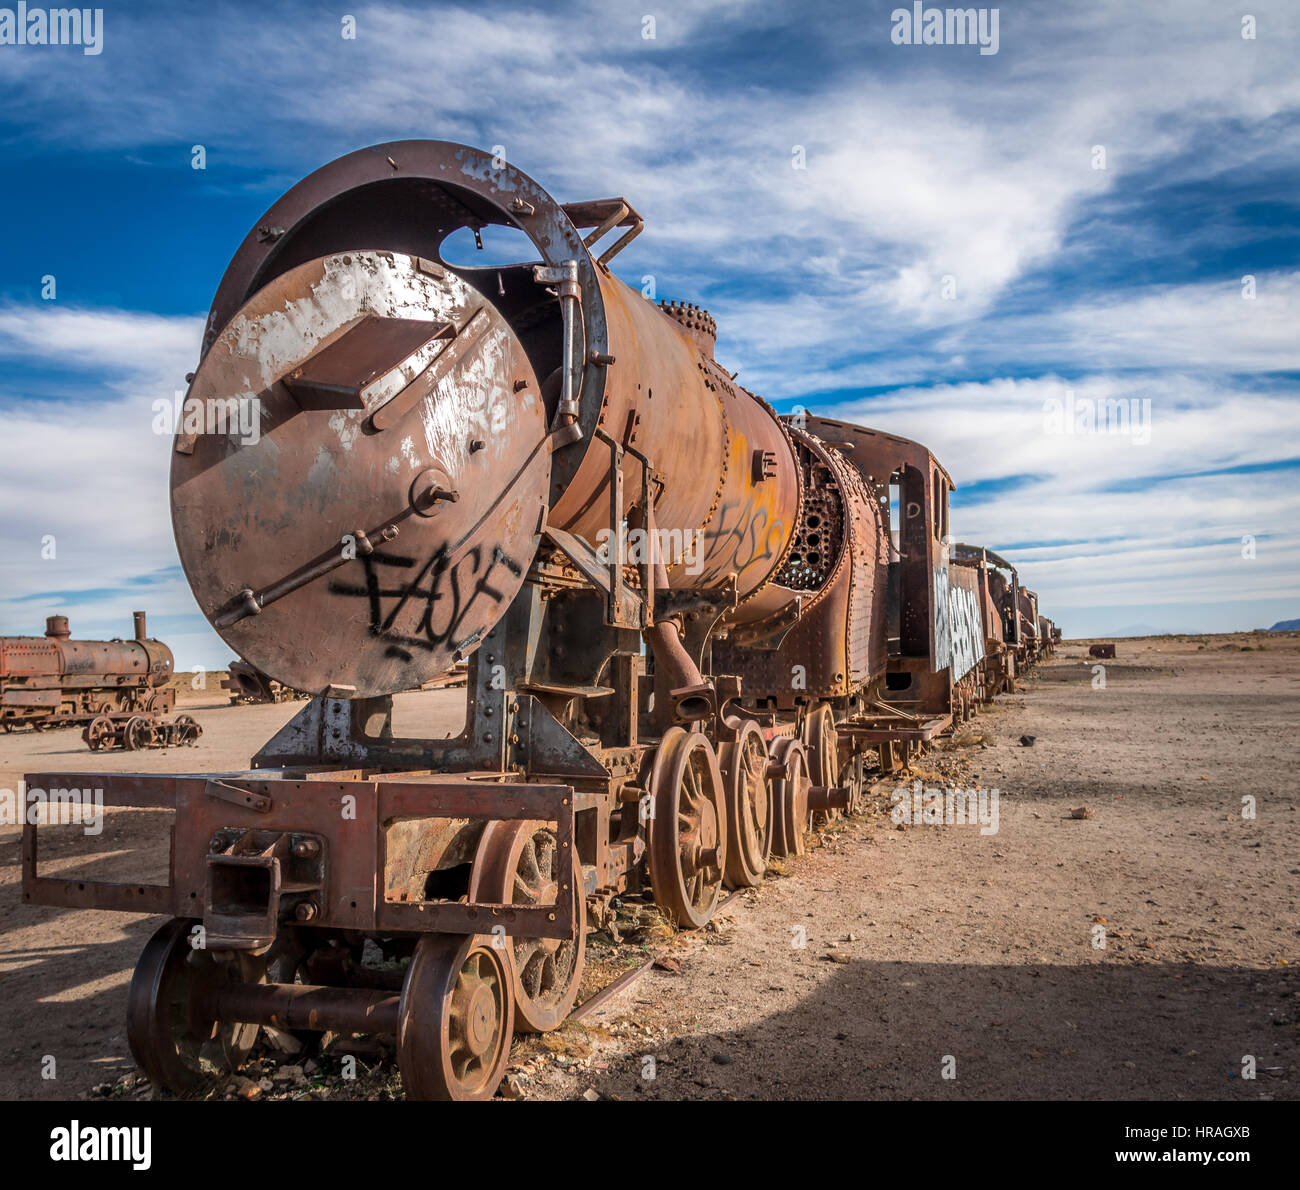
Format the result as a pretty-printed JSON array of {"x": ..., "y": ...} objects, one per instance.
[{"x": 1129, "y": 932}]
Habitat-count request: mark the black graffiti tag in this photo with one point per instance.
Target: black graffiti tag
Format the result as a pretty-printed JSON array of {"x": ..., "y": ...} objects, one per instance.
[{"x": 444, "y": 605}]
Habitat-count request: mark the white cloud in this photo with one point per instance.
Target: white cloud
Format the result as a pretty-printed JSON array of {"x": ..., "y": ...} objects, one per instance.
[
  {"x": 920, "y": 164},
  {"x": 1126, "y": 522},
  {"x": 1204, "y": 325},
  {"x": 138, "y": 346},
  {"x": 92, "y": 473},
  {"x": 1005, "y": 428}
]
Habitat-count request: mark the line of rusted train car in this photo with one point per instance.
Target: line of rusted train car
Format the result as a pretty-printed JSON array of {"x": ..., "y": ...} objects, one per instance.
[{"x": 695, "y": 628}]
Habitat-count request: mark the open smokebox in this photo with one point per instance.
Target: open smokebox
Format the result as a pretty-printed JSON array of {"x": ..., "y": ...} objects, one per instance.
[{"x": 256, "y": 879}]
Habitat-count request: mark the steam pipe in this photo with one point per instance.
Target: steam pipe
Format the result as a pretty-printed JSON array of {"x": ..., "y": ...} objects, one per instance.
[{"x": 665, "y": 641}]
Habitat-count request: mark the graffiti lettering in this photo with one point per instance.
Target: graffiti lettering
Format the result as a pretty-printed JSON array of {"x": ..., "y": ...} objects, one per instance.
[
  {"x": 751, "y": 539},
  {"x": 443, "y": 596},
  {"x": 958, "y": 627}
]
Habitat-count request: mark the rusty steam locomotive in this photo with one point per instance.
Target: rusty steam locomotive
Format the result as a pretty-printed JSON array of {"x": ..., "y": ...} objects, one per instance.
[
  {"x": 52, "y": 679},
  {"x": 694, "y": 627}
]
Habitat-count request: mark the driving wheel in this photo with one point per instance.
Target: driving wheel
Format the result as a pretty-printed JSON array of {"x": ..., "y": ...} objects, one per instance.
[
  {"x": 749, "y": 806},
  {"x": 822, "y": 744},
  {"x": 518, "y": 863},
  {"x": 688, "y": 841},
  {"x": 790, "y": 798}
]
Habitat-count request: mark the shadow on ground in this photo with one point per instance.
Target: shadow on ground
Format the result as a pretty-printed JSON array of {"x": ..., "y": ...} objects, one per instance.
[{"x": 883, "y": 1031}]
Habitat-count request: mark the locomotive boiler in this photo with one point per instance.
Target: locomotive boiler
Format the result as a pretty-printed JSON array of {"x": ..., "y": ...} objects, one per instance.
[
  {"x": 691, "y": 624},
  {"x": 53, "y": 679}
]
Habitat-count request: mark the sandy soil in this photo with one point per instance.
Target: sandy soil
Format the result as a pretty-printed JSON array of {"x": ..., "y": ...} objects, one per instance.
[
  {"x": 64, "y": 973},
  {"x": 929, "y": 950}
]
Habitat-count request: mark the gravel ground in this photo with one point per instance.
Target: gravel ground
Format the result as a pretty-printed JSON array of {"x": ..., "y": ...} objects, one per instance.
[{"x": 894, "y": 961}]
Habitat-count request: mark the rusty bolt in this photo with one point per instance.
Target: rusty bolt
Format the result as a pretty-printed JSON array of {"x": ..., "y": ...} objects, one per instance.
[
  {"x": 430, "y": 489},
  {"x": 217, "y": 843},
  {"x": 306, "y": 849},
  {"x": 306, "y": 911},
  {"x": 437, "y": 494}
]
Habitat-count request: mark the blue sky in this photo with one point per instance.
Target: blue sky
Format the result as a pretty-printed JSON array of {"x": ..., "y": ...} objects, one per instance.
[{"x": 948, "y": 261}]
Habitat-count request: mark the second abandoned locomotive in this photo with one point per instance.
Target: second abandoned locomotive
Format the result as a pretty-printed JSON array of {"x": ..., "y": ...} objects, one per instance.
[{"x": 444, "y": 455}]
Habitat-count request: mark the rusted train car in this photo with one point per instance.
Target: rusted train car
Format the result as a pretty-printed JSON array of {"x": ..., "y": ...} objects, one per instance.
[
  {"x": 1009, "y": 649},
  {"x": 50, "y": 680},
  {"x": 694, "y": 627},
  {"x": 1049, "y": 634}
]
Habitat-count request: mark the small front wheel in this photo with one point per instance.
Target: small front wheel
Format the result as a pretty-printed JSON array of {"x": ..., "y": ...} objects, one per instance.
[
  {"x": 456, "y": 1018},
  {"x": 177, "y": 1045}
]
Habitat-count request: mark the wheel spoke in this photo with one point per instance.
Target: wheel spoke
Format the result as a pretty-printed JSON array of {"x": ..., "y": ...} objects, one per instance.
[
  {"x": 544, "y": 855},
  {"x": 531, "y": 974},
  {"x": 522, "y": 893},
  {"x": 525, "y": 950},
  {"x": 528, "y": 867}
]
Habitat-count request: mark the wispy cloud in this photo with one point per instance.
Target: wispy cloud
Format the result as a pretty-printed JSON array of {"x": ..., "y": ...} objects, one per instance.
[
  {"x": 949, "y": 237},
  {"x": 127, "y": 345},
  {"x": 84, "y": 481}
]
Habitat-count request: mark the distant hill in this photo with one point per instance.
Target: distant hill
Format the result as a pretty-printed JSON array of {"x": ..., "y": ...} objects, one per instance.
[
  {"x": 1286, "y": 626},
  {"x": 1139, "y": 630}
]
